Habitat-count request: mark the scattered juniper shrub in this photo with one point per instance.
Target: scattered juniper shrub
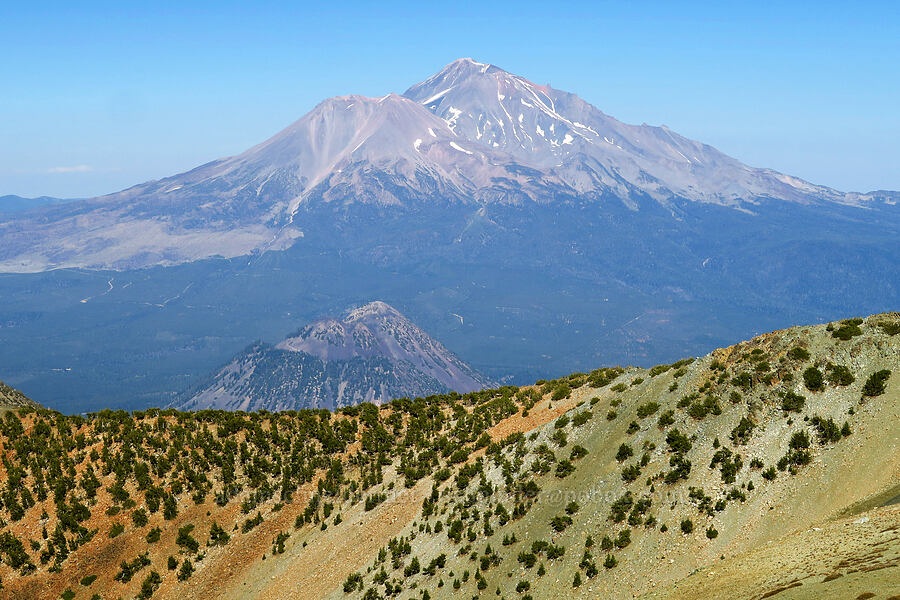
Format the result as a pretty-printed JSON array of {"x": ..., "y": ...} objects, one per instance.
[
  {"x": 665, "y": 419},
  {"x": 623, "y": 539},
  {"x": 578, "y": 452},
  {"x": 799, "y": 440},
  {"x": 798, "y": 353},
  {"x": 625, "y": 452},
  {"x": 186, "y": 570},
  {"x": 564, "y": 469},
  {"x": 839, "y": 375},
  {"x": 827, "y": 430},
  {"x": 742, "y": 432},
  {"x": 792, "y": 402},
  {"x": 647, "y": 409},
  {"x": 890, "y": 327},
  {"x": 876, "y": 383},
  {"x": 813, "y": 379},
  {"x": 848, "y": 329},
  {"x": 581, "y": 418}
]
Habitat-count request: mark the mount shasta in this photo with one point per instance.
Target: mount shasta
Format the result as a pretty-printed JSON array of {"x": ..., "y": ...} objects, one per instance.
[
  {"x": 527, "y": 230},
  {"x": 473, "y": 135}
]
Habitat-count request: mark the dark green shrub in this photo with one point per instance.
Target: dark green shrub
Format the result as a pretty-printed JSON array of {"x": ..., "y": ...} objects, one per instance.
[
  {"x": 623, "y": 539},
  {"x": 560, "y": 522},
  {"x": 791, "y": 402},
  {"x": 578, "y": 452},
  {"x": 799, "y": 440},
  {"x": 353, "y": 581},
  {"x": 848, "y": 329},
  {"x": 839, "y": 375},
  {"x": 149, "y": 586},
  {"x": 890, "y": 327},
  {"x": 582, "y": 418},
  {"x": 798, "y": 353},
  {"x": 186, "y": 540},
  {"x": 186, "y": 570},
  {"x": 742, "y": 432},
  {"x": 826, "y": 430},
  {"x": 528, "y": 559},
  {"x": 560, "y": 392},
  {"x": 631, "y": 473},
  {"x": 813, "y": 379},
  {"x": 876, "y": 383},
  {"x": 687, "y": 526},
  {"x": 217, "y": 535},
  {"x": 677, "y": 441},
  {"x": 564, "y": 469},
  {"x": 665, "y": 419},
  {"x": 625, "y": 452},
  {"x": 139, "y": 517},
  {"x": 647, "y": 409}
]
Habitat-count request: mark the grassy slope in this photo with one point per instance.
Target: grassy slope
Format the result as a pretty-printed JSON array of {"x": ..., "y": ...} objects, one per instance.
[
  {"x": 776, "y": 536},
  {"x": 840, "y": 474}
]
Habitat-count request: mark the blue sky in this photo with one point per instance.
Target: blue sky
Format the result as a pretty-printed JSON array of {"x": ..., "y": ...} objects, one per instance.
[{"x": 97, "y": 97}]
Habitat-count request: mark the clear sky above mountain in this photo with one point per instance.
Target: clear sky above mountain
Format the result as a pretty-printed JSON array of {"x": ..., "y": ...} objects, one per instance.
[{"x": 100, "y": 96}]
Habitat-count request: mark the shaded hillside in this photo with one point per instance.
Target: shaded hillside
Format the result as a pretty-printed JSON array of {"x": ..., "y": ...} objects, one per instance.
[
  {"x": 612, "y": 483},
  {"x": 373, "y": 354}
]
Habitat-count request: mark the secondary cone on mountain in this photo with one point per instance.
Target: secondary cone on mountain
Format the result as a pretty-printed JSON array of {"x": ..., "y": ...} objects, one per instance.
[{"x": 372, "y": 354}]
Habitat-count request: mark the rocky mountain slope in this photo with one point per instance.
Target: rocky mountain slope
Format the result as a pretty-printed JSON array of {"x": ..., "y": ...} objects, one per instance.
[
  {"x": 13, "y": 398},
  {"x": 372, "y": 354},
  {"x": 768, "y": 469},
  {"x": 473, "y": 134}
]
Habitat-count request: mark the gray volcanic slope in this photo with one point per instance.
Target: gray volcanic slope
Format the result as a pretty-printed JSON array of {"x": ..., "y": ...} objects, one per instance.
[
  {"x": 472, "y": 134},
  {"x": 372, "y": 354}
]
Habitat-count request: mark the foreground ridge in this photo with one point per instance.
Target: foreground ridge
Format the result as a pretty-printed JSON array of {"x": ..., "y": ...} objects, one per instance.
[{"x": 613, "y": 483}]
